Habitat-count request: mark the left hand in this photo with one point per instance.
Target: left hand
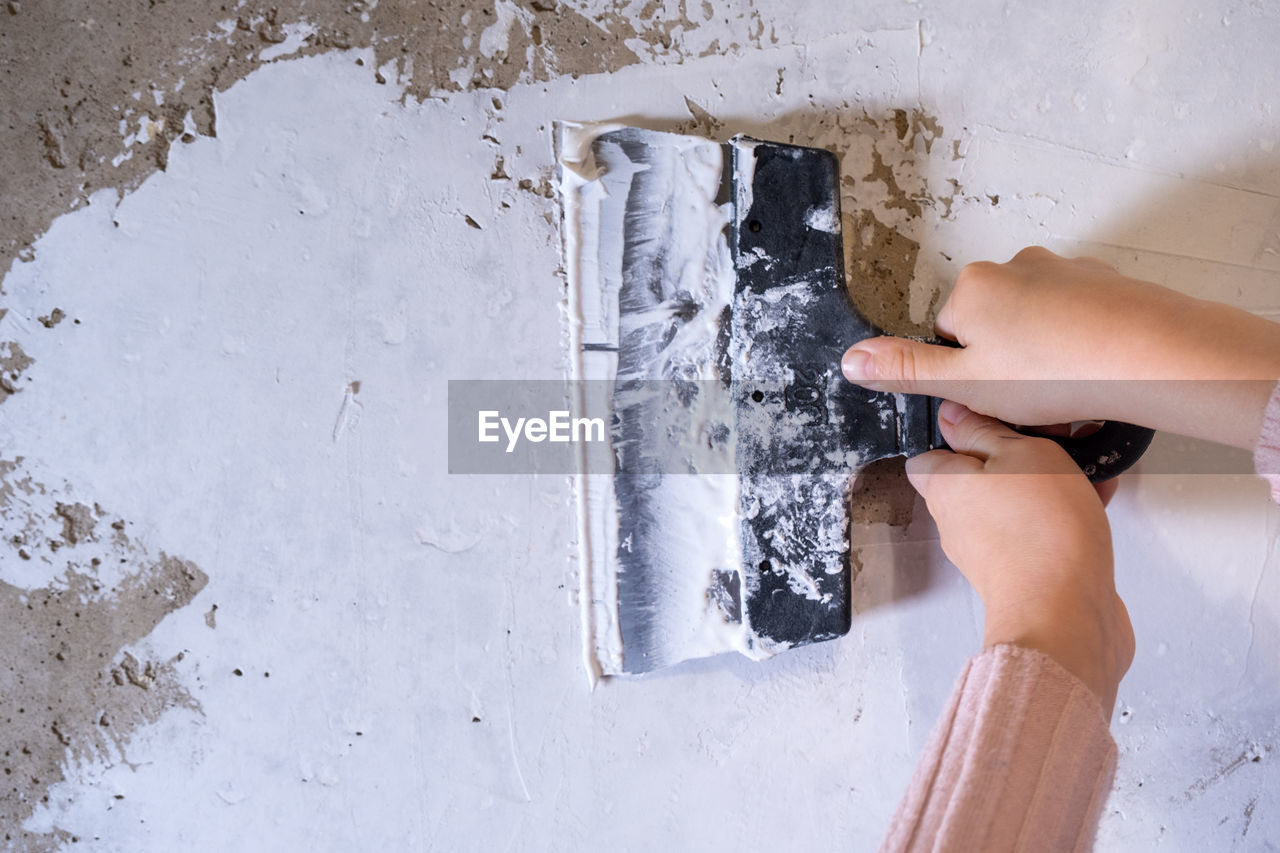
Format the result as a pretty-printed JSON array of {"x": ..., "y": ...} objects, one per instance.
[{"x": 1029, "y": 531}]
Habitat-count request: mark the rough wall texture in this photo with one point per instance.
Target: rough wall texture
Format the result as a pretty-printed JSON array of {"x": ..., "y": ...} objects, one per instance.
[
  {"x": 96, "y": 97},
  {"x": 70, "y": 688},
  {"x": 94, "y": 93},
  {"x": 98, "y": 94},
  {"x": 256, "y": 341}
]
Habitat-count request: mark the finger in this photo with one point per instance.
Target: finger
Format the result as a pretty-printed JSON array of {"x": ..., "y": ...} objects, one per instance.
[
  {"x": 1107, "y": 489},
  {"x": 1001, "y": 448},
  {"x": 1034, "y": 255},
  {"x": 972, "y": 434},
  {"x": 1051, "y": 430},
  {"x": 904, "y": 366},
  {"x": 945, "y": 324},
  {"x": 972, "y": 285},
  {"x": 1092, "y": 263},
  {"x": 922, "y": 470}
]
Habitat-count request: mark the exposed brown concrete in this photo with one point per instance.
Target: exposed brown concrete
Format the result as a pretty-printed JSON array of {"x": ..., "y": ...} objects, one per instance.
[
  {"x": 70, "y": 688},
  {"x": 71, "y": 71}
]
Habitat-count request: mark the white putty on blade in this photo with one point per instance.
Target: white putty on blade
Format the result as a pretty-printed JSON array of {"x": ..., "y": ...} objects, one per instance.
[{"x": 687, "y": 611}]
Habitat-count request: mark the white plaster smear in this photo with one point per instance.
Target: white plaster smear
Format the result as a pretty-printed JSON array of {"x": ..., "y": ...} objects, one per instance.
[{"x": 228, "y": 305}]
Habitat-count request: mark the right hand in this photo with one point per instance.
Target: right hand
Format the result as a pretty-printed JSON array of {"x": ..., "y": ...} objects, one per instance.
[{"x": 1056, "y": 321}]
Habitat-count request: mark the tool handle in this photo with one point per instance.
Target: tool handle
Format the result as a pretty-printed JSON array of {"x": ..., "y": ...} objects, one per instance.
[
  {"x": 1109, "y": 452},
  {"x": 1106, "y": 453}
]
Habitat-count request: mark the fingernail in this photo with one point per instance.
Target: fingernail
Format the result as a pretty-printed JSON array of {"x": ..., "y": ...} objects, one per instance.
[
  {"x": 856, "y": 365},
  {"x": 951, "y": 412}
]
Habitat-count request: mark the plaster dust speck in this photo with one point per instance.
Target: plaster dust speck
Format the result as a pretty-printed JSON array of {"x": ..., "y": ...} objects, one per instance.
[{"x": 257, "y": 382}]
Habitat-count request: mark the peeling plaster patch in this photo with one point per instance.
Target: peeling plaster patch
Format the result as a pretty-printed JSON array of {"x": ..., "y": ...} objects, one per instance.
[
  {"x": 496, "y": 38},
  {"x": 77, "y": 522},
  {"x": 12, "y": 362},
  {"x": 77, "y": 678},
  {"x": 897, "y": 197},
  {"x": 891, "y": 200},
  {"x": 76, "y": 144},
  {"x": 53, "y": 318},
  {"x": 704, "y": 123},
  {"x": 542, "y": 188},
  {"x": 672, "y": 31},
  {"x": 182, "y": 55},
  {"x": 888, "y": 209},
  {"x": 880, "y": 262}
]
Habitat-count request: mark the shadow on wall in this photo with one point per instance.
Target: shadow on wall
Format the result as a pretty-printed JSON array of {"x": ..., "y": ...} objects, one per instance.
[
  {"x": 1196, "y": 715},
  {"x": 1204, "y": 688}
]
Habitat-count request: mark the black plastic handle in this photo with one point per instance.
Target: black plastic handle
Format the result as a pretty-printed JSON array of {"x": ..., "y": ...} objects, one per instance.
[
  {"x": 1106, "y": 453},
  {"x": 1110, "y": 451}
]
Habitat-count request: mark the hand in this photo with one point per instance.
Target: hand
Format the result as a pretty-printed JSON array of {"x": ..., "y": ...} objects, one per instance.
[
  {"x": 1027, "y": 529},
  {"x": 1051, "y": 320}
]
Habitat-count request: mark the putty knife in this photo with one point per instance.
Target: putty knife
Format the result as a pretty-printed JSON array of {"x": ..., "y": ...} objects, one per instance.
[{"x": 707, "y": 291}]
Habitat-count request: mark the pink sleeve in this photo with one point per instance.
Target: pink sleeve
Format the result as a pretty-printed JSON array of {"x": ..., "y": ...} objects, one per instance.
[
  {"x": 1266, "y": 453},
  {"x": 1022, "y": 759}
]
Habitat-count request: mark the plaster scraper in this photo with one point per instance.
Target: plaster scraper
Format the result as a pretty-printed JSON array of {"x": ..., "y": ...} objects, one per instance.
[{"x": 708, "y": 310}]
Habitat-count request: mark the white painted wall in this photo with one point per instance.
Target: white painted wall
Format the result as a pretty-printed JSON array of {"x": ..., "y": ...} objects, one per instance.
[{"x": 226, "y": 307}]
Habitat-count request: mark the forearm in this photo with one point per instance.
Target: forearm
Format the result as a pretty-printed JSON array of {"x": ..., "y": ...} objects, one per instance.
[
  {"x": 1021, "y": 759},
  {"x": 1201, "y": 369},
  {"x": 1226, "y": 412},
  {"x": 1048, "y": 340}
]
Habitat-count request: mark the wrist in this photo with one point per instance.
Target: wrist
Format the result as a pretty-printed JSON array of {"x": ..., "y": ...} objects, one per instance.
[
  {"x": 1203, "y": 370},
  {"x": 1083, "y": 636}
]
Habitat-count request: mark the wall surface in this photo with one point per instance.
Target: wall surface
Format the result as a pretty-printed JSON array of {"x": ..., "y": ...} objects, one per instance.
[{"x": 243, "y": 604}]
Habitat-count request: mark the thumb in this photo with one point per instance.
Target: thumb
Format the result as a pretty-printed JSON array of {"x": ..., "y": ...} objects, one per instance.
[
  {"x": 904, "y": 366},
  {"x": 972, "y": 434},
  {"x": 999, "y": 447}
]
